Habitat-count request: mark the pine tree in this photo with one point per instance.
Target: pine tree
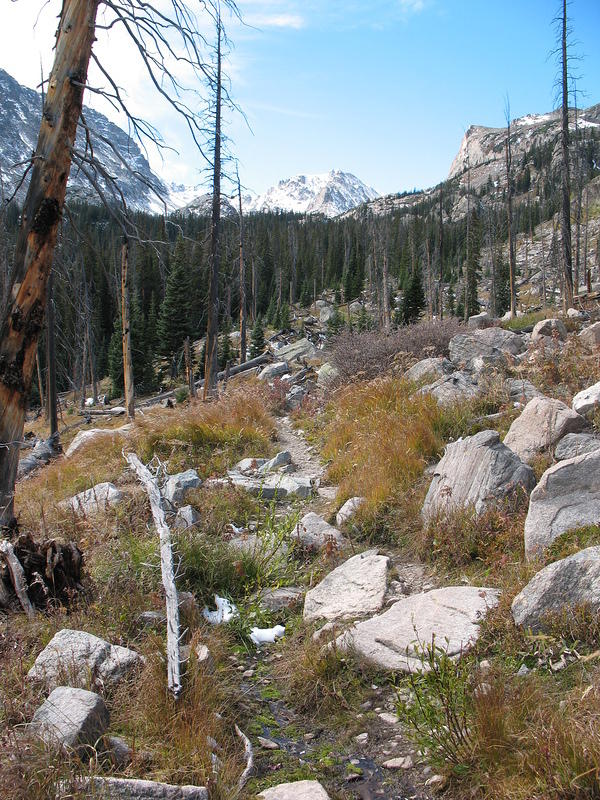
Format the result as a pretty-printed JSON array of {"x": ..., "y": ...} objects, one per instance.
[
  {"x": 284, "y": 317},
  {"x": 335, "y": 323},
  {"x": 225, "y": 352},
  {"x": 257, "y": 339},
  {"x": 413, "y": 301},
  {"x": 175, "y": 311}
]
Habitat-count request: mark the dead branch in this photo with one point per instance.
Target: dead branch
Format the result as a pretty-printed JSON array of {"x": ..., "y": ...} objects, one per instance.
[{"x": 150, "y": 484}]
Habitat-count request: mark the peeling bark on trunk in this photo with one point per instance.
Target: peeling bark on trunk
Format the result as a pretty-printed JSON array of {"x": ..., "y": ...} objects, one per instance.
[
  {"x": 242, "y": 280},
  {"x": 24, "y": 316}
]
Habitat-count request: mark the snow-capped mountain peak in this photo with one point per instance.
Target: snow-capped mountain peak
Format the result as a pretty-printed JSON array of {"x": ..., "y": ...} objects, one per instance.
[{"x": 328, "y": 193}]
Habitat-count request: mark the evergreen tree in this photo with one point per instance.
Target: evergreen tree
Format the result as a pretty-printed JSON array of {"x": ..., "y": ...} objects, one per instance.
[
  {"x": 305, "y": 297},
  {"x": 284, "y": 317},
  {"x": 225, "y": 352},
  {"x": 413, "y": 301},
  {"x": 175, "y": 311},
  {"x": 335, "y": 323},
  {"x": 257, "y": 339}
]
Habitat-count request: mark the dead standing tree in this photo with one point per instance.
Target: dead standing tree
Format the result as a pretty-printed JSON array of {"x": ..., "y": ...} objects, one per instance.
[{"x": 162, "y": 35}]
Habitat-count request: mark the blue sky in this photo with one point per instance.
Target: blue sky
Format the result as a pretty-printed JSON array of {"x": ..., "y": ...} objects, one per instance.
[{"x": 381, "y": 88}]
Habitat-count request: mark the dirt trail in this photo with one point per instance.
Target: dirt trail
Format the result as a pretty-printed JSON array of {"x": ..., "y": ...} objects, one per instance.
[{"x": 303, "y": 456}]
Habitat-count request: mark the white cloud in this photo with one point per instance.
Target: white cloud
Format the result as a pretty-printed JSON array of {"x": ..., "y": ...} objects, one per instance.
[{"x": 412, "y": 5}]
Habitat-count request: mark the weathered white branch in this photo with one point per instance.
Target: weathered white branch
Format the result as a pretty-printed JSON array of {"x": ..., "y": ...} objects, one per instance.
[
  {"x": 168, "y": 575},
  {"x": 249, "y": 753},
  {"x": 18, "y": 576}
]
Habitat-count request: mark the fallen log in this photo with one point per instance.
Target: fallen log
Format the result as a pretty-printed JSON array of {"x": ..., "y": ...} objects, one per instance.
[
  {"x": 17, "y": 574},
  {"x": 265, "y": 358},
  {"x": 43, "y": 451},
  {"x": 150, "y": 484}
]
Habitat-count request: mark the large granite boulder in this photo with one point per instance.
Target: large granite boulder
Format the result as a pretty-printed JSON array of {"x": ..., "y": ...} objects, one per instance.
[
  {"x": 429, "y": 367},
  {"x": 541, "y": 424},
  {"x": 72, "y": 718},
  {"x": 95, "y": 500},
  {"x": 491, "y": 343},
  {"x": 327, "y": 374},
  {"x": 587, "y": 400},
  {"x": 354, "y": 589},
  {"x": 302, "y": 349},
  {"x": 80, "y": 659},
  {"x": 475, "y": 472},
  {"x": 567, "y": 497},
  {"x": 480, "y": 321},
  {"x": 590, "y": 336},
  {"x": 453, "y": 388},
  {"x": 554, "y": 328},
  {"x": 134, "y": 789},
  {"x": 84, "y": 438},
  {"x": 521, "y": 391},
  {"x": 299, "y": 790},
  {"x": 275, "y": 370},
  {"x": 394, "y": 640},
  {"x": 314, "y": 533},
  {"x": 561, "y": 586},
  {"x": 576, "y": 444}
]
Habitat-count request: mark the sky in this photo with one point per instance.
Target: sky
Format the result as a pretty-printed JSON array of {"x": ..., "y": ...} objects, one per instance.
[{"x": 384, "y": 89}]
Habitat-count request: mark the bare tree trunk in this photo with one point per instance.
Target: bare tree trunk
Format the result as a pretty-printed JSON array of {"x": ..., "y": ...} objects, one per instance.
[
  {"x": 441, "y": 256},
  {"x": 126, "y": 332},
  {"x": 254, "y": 276},
  {"x": 51, "y": 397},
  {"x": 93, "y": 376},
  {"x": 565, "y": 218},
  {"x": 39, "y": 377},
  {"x": 242, "y": 280},
  {"x": 189, "y": 370},
  {"x": 84, "y": 364},
  {"x": 24, "y": 315},
  {"x": 212, "y": 328},
  {"x": 509, "y": 220},
  {"x": 385, "y": 293}
]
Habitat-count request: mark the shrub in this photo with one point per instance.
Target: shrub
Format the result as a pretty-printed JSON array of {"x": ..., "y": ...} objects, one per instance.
[{"x": 372, "y": 353}]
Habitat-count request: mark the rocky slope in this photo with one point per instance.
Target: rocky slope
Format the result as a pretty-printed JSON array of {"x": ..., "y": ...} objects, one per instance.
[{"x": 20, "y": 110}]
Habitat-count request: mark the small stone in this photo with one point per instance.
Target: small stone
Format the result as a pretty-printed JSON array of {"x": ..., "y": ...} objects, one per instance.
[
  {"x": 523, "y": 670},
  {"x": 389, "y": 719},
  {"x": 404, "y": 762},
  {"x": 248, "y": 673},
  {"x": 267, "y": 744},
  {"x": 362, "y": 738}
]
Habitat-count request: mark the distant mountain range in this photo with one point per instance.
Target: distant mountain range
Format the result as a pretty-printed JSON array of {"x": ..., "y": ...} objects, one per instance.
[{"x": 329, "y": 194}]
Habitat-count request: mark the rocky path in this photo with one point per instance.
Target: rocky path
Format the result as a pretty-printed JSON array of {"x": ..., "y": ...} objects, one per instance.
[{"x": 348, "y": 759}]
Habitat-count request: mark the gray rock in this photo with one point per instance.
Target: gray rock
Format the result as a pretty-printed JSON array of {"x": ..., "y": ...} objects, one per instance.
[
  {"x": 325, "y": 314},
  {"x": 453, "y": 388},
  {"x": 326, "y": 374},
  {"x": 563, "y": 585},
  {"x": 275, "y": 370},
  {"x": 348, "y": 510},
  {"x": 178, "y": 485},
  {"x": 573, "y": 313},
  {"x": 394, "y": 640},
  {"x": 120, "y": 662},
  {"x": 152, "y": 618},
  {"x": 587, "y": 400},
  {"x": 434, "y": 367},
  {"x": 354, "y": 589},
  {"x": 249, "y": 465},
  {"x": 314, "y": 533},
  {"x": 521, "y": 391},
  {"x": 285, "y": 597},
  {"x": 480, "y": 321},
  {"x": 291, "y": 485},
  {"x": 119, "y": 752},
  {"x": 95, "y": 500},
  {"x": 186, "y": 517},
  {"x": 554, "y": 328},
  {"x": 590, "y": 336},
  {"x": 83, "y": 438},
  {"x": 475, "y": 472},
  {"x": 282, "y": 459},
  {"x": 303, "y": 348},
  {"x": 295, "y": 397},
  {"x": 299, "y": 790},
  {"x": 567, "y": 497},
  {"x": 204, "y": 657},
  {"x": 134, "y": 789},
  {"x": 80, "y": 659},
  {"x": 72, "y": 718},
  {"x": 494, "y": 343},
  {"x": 576, "y": 444},
  {"x": 541, "y": 424}
]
